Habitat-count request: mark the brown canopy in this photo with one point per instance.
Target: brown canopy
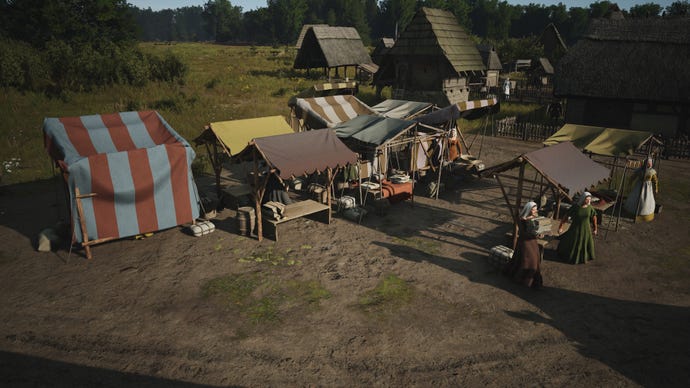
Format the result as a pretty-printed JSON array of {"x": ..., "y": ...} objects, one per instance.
[
  {"x": 303, "y": 153},
  {"x": 562, "y": 164}
]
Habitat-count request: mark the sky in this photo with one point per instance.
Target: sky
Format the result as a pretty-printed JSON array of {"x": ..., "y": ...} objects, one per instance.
[{"x": 248, "y": 5}]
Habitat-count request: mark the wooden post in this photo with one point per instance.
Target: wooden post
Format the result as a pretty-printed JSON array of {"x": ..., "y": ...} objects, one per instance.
[
  {"x": 257, "y": 197},
  {"x": 86, "y": 244},
  {"x": 517, "y": 203},
  {"x": 328, "y": 193}
]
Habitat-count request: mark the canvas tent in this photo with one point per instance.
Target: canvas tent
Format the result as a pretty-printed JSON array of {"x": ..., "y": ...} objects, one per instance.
[
  {"x": 562, "y": 167},
  {"x": 466, "y": 109},
  {"x": 381, "y": 140},
  {"x": 231, "y": 137},
  {"x": 401, "y": 109},
  {"x": 601, "y": 140},
  {"x": 133, "y": 169},
  {"x": 296, "y": 154},
  {"x": 325, "y": 112}
]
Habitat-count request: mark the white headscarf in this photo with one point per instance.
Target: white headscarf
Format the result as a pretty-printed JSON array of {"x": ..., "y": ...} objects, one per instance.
[
  {"x": 584, "y": 195},
  {"x": 527, "y": 209}
]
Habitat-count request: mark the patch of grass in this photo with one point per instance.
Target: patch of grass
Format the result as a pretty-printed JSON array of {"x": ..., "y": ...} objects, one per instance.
[
  {"x": 390, "y": 294},
  {"x": 419, "y": 243},
  {"x": 270, "y": 257},
  {"x": 262, "y": 299}
]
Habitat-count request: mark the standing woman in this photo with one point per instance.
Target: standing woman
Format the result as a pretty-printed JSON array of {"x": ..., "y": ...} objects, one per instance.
[
  {"x": 526, "y": 268},
  {"x": 577, "y": 243},
  {"x": 641, "y": 201}
]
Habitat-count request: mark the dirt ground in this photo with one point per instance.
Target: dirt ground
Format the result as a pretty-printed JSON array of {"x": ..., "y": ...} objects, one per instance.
[{"x": 143, "y": 313}]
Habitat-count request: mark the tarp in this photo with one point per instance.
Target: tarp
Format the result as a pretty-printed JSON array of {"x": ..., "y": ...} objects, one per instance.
[
  {"x": 568, "y": 166},
  {"x": 467, "y": 109},
  {"x": 325, "y": 89},
  {"x": 400, "y": 109},
  {"x": 137, "y": 166},
  {"x": 303, "y": 153},
  {"x": 326, "y": 112},
  {"x": 374, "y": 130},
  {"x": 562, "y": 164},
  {"x": 236, "y": 134},
  {"x": 601, "y": 140}
]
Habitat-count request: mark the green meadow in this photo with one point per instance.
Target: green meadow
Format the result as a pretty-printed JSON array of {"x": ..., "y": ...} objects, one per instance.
[{"x": 222, "y": 83}]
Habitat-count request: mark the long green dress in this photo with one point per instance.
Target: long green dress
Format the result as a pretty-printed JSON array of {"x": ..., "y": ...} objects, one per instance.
[{"x": 577, "y": 243}]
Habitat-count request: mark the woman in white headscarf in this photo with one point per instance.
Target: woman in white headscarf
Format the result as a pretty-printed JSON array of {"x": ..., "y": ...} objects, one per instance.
[
  {"x": 577, "y": 243},
  {"x": 526, "y": 263},
  {"x": 641, "y": 200}
]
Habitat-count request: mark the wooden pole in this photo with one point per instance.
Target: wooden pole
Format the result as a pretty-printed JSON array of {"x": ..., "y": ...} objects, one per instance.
[
  {"x": 257, "y": 197},
  {"x": 517, "y": 204}
]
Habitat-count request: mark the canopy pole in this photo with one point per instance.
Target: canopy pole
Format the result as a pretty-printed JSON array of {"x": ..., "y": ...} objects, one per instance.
[
  {"x": 517, "y": 204},
  {"x": 330, "y": 178},
  {"x": 257, "y": 198}
]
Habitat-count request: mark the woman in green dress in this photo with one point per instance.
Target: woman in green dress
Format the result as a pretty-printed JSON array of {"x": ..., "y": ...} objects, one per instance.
[{"x": 577, "y": 243}]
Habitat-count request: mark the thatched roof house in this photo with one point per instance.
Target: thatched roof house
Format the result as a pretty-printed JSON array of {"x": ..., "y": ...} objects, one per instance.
[
  {"x": 541, "y": 72},
  {"x": 331, "y": 47},
  {"x": 381, "y": 49},
  {"x": 629, "y": 73},
  {"x": 303, "y": 32},
  {"x": 432, "y": 60},
  {"x": 492, "y": 63},
  {"x": 553, "y": 43}
]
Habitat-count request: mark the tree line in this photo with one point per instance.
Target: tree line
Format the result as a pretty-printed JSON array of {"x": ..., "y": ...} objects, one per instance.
[{"x": 280, "y": 22}]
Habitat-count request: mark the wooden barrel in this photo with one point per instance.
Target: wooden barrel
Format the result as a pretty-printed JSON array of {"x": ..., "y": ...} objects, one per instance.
[{"x": 246, "y": 220}]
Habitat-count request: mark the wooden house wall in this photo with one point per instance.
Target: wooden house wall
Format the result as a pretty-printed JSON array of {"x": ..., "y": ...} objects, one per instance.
[{"x": 666, "y": 119}]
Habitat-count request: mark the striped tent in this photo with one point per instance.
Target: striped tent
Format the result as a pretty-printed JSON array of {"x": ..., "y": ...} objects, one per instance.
[
  {"x": 326, "y": 112},
  {"x": 135, "y": 164}
]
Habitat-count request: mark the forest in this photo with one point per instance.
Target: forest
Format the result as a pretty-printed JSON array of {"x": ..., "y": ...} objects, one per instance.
[{"x": 281, "y": 20}]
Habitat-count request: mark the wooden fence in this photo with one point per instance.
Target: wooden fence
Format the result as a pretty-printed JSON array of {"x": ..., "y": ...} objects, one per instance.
[
  {"x": 510, "y": 127},
  {"x": 676, "y": 147}
]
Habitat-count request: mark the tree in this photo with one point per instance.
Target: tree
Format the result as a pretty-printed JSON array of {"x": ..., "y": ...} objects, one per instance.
[
  {"x": 678, "y": 8},
  {"x": 396, "y": 15},
  {"x": 222, "y": 20},
  {"x": 78, "y": 21},
  {"x": 288, "y": 17},
  {"x": 645, "y": 10}
]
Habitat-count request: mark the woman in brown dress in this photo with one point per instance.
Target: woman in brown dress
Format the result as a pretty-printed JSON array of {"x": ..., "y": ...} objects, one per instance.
[{"x": 526, "y": 263}]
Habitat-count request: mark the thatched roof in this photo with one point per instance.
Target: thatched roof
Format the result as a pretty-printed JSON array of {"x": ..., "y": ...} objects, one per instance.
[
  {"x": 305, "y": 28},
  {"x": 325, "y": 46},
  {"x": 381, "y": 49},
  {"x": 490, "y": 57},
  {"x": 551, "y": 39},
  {"x": 545, "y": 66},
  {"x": 436, "y": 33},
  {"x": 629, "y": 59}
]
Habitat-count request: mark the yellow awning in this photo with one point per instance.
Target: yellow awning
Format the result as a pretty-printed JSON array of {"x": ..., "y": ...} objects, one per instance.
[
  {"x": 236, "y": 134},
  {"x": 600, "y": 140}
]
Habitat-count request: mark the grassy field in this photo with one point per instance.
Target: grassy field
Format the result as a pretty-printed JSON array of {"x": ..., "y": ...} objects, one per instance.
[{"x": 223, "y": 83}]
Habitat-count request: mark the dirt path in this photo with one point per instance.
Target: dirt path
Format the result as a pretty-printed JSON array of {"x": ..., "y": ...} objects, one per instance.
[{"x": 223, "y": 309}]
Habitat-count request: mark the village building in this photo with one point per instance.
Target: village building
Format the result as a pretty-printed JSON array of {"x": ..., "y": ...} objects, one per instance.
[
  {"x": 432, "y": 60},
  {"x": 493, "y": 65},
  {"x": 331, "y": 48},
  {"x": 630, "y": 74},
  {"x": 553, "y": 44},
  {"x": 381, "y": 49}
]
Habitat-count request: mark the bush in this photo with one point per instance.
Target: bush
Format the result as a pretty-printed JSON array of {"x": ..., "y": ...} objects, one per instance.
[
  {"x": 22, "y": 67},
  {"x": 63, "y": 67}
]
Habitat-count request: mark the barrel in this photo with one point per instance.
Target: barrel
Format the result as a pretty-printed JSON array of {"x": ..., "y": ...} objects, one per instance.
[{"x": 246, "y": 220}]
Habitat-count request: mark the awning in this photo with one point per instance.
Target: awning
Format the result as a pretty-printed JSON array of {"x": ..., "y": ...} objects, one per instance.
[
  {"x": 601, "y": 140},
  {"x": 369, "y": 67},
  {"x": 236, "y": 134},
  {"x": 301, "y": 153},
  {"x": 400, "y": 109},
  {"x": 326, "y": 112},
  {"x": 567, "y": 166},
  {"x": 468, "y": 109},
  {"x": 373, "y": 129},
  {"x": 562, "y": 164}
]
